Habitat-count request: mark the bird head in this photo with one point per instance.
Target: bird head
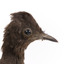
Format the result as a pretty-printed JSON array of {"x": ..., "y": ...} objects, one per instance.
[{"x": 23, "y": 30}]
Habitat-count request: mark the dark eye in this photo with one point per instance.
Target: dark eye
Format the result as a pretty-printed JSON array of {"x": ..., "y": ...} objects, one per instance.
[{"x": 27, "y": 31}]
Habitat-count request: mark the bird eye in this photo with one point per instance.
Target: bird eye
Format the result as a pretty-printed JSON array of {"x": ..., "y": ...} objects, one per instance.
[{"x": 27, "y": 31}]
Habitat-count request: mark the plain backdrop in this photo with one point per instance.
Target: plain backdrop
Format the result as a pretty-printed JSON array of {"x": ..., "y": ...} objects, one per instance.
[{"x": 49, "y": 14}]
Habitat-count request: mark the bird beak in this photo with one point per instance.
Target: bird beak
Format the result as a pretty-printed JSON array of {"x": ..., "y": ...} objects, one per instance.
[{"x": 48, "y": 37}]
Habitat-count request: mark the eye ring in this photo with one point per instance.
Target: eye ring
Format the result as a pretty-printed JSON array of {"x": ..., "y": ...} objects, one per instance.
[{"x": 27, "y": 32}]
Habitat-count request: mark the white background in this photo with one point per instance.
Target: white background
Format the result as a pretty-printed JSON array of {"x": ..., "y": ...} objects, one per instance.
[{"x": 49, "y": 14}]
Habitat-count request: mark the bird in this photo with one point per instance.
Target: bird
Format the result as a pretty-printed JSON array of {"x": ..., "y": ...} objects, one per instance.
[{"x": 18, "y": 34}]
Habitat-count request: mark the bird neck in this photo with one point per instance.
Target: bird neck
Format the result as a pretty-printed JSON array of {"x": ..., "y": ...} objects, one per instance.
[{"x": 11, "y": 58}]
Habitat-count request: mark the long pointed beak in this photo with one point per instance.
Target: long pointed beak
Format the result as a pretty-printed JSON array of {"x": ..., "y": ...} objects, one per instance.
[{"x": 48, "y": 37}]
